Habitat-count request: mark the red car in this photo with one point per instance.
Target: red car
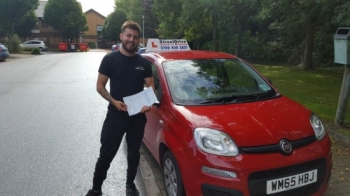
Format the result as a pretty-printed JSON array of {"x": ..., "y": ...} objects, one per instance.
[{"x": 221, "y": 128}]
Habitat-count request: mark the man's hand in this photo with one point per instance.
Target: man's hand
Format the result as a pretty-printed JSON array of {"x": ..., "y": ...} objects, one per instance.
[
  {"x": 120, "y": 106},
  {"x": 145, "y": 109}
]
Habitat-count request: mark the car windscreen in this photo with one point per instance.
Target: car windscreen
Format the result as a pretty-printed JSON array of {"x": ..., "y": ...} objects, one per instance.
[
  {"x": 3, "y": 47},
  {"x": 212, "y": 81}
]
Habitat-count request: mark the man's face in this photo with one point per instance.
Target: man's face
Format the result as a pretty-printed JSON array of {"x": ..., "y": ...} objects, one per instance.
[{"x": 130, "y": 40}]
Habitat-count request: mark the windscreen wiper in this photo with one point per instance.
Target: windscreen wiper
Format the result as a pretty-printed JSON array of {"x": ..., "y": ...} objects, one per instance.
[
  {"x": 235, "y": 98},
  {"x": 220, "y": 99}
]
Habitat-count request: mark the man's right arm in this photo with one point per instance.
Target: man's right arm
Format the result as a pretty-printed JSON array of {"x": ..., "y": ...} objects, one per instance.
[{"x": 101, "y": 89}]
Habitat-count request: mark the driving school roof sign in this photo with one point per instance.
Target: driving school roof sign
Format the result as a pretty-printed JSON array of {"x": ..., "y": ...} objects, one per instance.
[{"x": 167, "y": 45}]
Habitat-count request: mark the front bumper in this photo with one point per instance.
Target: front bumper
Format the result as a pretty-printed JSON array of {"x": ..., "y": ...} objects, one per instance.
[
  {"x": 4, "y": 55},
  {"x": 254, "y": 170}
]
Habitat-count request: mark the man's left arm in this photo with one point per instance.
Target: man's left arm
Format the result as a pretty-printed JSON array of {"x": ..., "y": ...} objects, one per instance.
[{"x": 149, "y": 82}]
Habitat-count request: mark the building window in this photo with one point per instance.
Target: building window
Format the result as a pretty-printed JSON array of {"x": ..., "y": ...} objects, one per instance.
[{"x": 99, "y": 28}]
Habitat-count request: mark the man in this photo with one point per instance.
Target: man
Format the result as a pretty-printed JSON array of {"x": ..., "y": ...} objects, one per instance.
[{"x": 127, "y": 72}]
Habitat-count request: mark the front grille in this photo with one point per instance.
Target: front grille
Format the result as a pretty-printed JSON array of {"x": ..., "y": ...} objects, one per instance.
[
  {"x": 218, "y": 193},
  {"x": 212, "y": 190},
  {"x": 276, "y": 147},
  {"x": 257, "y": 181}
]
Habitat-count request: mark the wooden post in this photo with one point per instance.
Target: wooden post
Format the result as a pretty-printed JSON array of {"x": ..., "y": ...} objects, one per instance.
[{"x": 343, "y": 98}]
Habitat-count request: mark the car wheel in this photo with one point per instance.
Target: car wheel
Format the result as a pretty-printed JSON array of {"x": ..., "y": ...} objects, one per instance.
[
  {"x": 172, "y": 176},
  {"x": 41, "y": 49}
]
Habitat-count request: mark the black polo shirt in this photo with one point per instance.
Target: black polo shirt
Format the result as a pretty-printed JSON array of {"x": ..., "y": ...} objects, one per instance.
[{"x": 126, "y": 74}]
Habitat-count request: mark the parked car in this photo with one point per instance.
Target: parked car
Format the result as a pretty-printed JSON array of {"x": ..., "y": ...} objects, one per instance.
[
  {"x": 34, "y": 44},
  {"x": 116, "y": 47},
  {"x": 4, "y": 53},
  {"x": 221, "y": 128},
  {"x": 141, "y": 50}
]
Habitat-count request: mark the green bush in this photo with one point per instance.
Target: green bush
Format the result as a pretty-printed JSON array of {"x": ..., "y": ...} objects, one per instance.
[
  {"x": 27, "y": 49},
  {"x": 35, "y": 51},
  {"x": 92, "y": 44},
  {"x": 15, "y": 43}
]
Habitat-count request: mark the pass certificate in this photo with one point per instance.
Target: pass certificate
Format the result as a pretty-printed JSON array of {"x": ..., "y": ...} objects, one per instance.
[{"x": 137, "y": 101}]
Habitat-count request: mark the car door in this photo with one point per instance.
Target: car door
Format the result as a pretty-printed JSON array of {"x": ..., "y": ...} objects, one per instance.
[
  {"x": 27, "y": 44},
  {"x": 155, "y": 122},
  {"x": 36, "y": 44}
]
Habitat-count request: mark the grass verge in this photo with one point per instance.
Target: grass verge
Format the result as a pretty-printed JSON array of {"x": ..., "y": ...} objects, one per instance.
[{"x": 317, "y": 90}]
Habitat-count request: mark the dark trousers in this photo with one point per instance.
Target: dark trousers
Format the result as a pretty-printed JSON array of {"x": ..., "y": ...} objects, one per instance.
[{"x": 114, "y": 127}]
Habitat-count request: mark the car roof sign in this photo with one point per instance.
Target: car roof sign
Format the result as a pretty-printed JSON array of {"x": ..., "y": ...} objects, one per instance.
[{"x": 154, "y": 44}]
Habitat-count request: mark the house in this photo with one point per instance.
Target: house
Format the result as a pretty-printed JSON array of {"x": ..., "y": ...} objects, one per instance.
[
  {"x": 44, "y": 32},
  {"x": 95, "y": 23},
  {"x": 52, "y": 37}
]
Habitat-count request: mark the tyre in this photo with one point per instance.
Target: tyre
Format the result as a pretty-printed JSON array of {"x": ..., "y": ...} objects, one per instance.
[
  {"x": 41, "y": 49},
  {"x": 172, "y": 176}
]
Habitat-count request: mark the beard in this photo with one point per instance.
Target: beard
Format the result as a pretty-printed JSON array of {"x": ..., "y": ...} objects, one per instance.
[{"x": 130, "y": 49}]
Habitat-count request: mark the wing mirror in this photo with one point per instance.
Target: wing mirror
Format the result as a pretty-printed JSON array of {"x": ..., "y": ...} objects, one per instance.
[
  {"x": 159, "y": 91},
  {"x": 269, "y": 81}
]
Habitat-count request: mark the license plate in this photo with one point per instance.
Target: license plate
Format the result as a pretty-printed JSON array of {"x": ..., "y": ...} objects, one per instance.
[{"x": 291, "y": 182}]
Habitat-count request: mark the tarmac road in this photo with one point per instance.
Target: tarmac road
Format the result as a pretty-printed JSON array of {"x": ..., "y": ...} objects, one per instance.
[{"x": 50, "y": 122}]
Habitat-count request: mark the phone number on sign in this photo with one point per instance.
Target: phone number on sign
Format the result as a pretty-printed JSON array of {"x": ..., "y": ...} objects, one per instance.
[{"x": 174, "y": 47}]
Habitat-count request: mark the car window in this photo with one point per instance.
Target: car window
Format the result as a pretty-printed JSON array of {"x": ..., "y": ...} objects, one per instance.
[
  {"x": 155, "y": 76},
  {"x": 141, "y": 50},
  {"x": 157, "y": 85},
  {"x": 194, "y": 81}
]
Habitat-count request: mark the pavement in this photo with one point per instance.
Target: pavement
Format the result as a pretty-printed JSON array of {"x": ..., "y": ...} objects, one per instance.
[
  {"x": 339, "y": 184},
  {"x": 14, "y": 57},
  {"x": 153, "y": 179}
]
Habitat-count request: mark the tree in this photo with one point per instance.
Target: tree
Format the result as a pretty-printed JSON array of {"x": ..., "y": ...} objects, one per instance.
[
  {"x": 25, "y": 25},
  {"x": 342, "y": 16},
  {"x": 12, "y": 12},
  {"x": 132, "y": 8},
  {"x": 199, "y": 15},
  {"x": 135, "y": 9},
  {"x": 150, "y": 19},
  {"x": 202, "y": 22},
  {"x": 169, "y": 18},
  {"x": 113, "y": 23},
  {"x": 300, "y": 17},
  {"x": 65, "y": 16},
  {"x": 236, "y": 19}
]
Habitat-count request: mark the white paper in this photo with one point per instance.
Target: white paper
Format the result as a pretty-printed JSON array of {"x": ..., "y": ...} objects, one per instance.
[{"x": 136, "y": 102}]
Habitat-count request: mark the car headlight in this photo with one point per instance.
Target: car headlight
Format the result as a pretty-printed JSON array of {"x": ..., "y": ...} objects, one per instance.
[
  {"x": 318, "y": 127},
  {"x": 215, "y": 142}
]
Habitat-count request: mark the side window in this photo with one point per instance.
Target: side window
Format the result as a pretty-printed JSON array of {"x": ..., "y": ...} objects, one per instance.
[
  {"x": 155, "y": 76},
  {"x": 157, "y": 85}
]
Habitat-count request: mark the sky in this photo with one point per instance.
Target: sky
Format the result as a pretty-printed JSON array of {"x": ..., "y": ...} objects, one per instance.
[{"x": 103, "y": 7}]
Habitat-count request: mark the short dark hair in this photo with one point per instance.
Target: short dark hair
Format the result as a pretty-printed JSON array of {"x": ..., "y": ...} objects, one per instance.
[{"x": 131, "y": 25}]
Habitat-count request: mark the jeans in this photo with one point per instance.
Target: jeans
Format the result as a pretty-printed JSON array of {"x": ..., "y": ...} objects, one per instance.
[{"x": 114, "y": 127}]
